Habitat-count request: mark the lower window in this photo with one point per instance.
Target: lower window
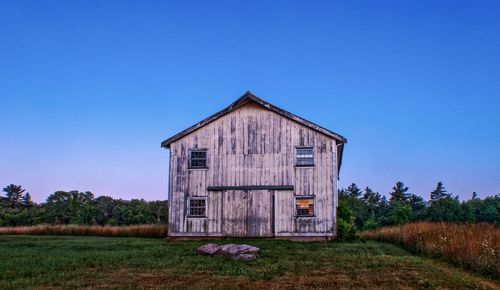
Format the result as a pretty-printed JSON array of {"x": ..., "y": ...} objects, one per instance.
[
  {"x": 197, "y": 207},
  {"x": 304, "y": 206}
]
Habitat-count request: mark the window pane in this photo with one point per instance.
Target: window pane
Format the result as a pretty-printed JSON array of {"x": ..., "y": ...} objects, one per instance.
[
  {"x": 198, "y": 159},
  {"x": 304, "y": 206},
  {"x": 197, "y": 207},
  {"x": 305, "y": 156},
  {"x": 198, "y": 154}
]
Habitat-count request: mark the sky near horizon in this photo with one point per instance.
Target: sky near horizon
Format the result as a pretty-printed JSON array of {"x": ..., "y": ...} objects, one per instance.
[{"x": 89, "y": 89}]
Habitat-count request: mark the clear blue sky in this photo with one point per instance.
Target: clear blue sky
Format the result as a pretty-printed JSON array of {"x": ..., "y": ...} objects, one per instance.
[{"x": 89, "y": 89}]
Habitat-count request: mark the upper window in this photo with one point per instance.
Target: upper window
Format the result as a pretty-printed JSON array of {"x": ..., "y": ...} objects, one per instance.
[
  {"x": 197, "y": 207},
  {"x": 198, "y": 158},
  {"x": 305, "y": 156},
  {"x": 304, "y": 206}
]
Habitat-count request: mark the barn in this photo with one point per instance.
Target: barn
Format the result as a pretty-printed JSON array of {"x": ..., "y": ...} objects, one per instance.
[{"x": 254, "y": 170}]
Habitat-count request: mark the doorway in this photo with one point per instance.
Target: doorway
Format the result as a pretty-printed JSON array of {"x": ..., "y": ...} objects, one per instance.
[{"x": 248, "y": 213}]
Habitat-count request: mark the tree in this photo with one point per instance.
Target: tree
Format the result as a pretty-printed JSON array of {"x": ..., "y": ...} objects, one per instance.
[
  {"x": 350, "y": 198},
  {"x": 346, "y": 229},
  {"x": 14, "y": 194},
  {"x": 26, "y": 201},
  {"x": 400, "y": 213},
  {"x": 438, "y": 193},
  {"x": 384, "y": 212},
  {"x": 399, "y": 193},
  {"x": 446, "y": 209},
  {"x": 471, "y": 210},
  {"x": 160, "y": 210},
  {"x": 371, "y": 200},
  {"x": 418, "y": 207},
  {"x": 82, "y": 210},
  {"x": 104, "y": 208},
  {"x": 72, "y": 207},
  {"x": 490, "y": 210},
  {"x": 58, "y": 209},
  {"x": 353, "y": 191},
  {"x": 400, "y": 210}
]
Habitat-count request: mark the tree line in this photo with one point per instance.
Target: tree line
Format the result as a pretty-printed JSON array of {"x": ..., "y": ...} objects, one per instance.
[
  {"x": 365, "y": 209},
  {"x": 358, "y": 209},
  {"x": 75, "y": 207}
]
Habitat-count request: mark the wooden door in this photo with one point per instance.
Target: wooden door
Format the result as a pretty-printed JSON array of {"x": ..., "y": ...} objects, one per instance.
[
  {"x": 260, "y": 213},
  {"x": 248, "y": 213},
  {"x": 234, "y": 216}
]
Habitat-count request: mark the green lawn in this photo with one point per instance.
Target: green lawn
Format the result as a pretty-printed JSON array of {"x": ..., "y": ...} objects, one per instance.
[{"x": 97, "y": 262}]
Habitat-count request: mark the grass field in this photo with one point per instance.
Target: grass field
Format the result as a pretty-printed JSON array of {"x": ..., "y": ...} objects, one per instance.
[
  {"x": 55, "y": 262},
  {"x": 472, "y": 246}
]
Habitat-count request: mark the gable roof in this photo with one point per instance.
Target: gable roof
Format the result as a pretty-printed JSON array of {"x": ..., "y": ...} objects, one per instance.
[
  {"x": 249, "y": 97},
  {"x": 245, "y": 99}
]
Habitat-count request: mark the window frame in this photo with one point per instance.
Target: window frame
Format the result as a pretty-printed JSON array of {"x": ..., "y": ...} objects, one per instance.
[
  {"x": 189, "y": 199},
  {"x": 297, "y": 148},
  {"x": 311, "y": 197},
  {"x": 190, "y": 151}
]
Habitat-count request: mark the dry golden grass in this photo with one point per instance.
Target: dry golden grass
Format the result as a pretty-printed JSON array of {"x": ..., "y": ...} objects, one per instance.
[
  {"x": 147, "y": 231},
  {"x": 473, "y": 246}
]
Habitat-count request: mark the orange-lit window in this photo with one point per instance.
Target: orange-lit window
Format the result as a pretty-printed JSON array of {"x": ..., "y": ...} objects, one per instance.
[{"x": 304, "y": 206}]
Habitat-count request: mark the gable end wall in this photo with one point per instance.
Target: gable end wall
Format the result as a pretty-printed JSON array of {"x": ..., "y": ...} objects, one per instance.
[{"x": 252, "y": 146}]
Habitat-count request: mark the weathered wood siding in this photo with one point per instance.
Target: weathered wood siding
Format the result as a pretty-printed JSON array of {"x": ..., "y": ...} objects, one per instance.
[{"x": 253, "y": 146}]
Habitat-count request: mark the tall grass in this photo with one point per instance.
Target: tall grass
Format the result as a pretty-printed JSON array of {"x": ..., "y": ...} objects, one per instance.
[
  {"x": 473, "y": 246},
  {"x": 146, "y": 231}
]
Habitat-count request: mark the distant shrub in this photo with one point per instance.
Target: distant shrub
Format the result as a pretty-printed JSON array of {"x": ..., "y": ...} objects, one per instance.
[
  {"x": 370, "y": 223},
  {"x": 346, "y": 229},
  {"x": 472, "y": 246},
  {"x": 146, "y": 231}
]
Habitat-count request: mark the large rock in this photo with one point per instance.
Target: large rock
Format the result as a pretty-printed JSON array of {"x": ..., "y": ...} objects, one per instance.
[
  {"x": 235, "y": 249},
  {"x": 237, "y": 252},
  {"x": 208, "y": 249}
]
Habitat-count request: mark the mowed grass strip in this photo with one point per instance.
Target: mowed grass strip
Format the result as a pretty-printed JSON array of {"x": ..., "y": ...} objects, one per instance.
[{"x": 53, "y": 262}]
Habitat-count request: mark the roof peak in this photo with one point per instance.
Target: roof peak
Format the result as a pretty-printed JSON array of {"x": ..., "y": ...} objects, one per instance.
[{"x": 249, "y": 96}]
